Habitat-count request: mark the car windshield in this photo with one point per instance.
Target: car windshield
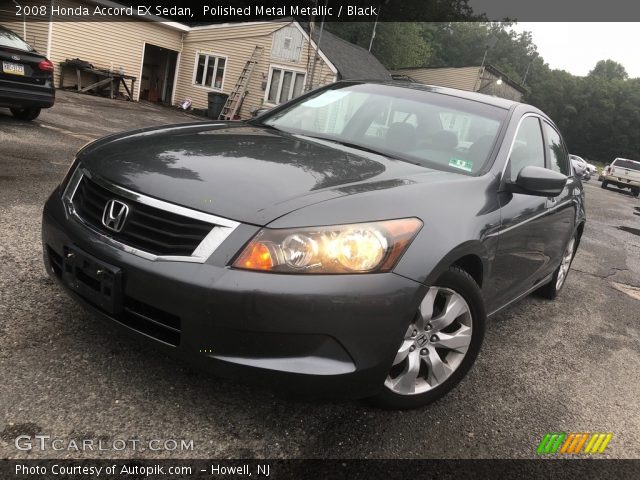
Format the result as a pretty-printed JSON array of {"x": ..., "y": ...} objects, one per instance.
[
  {"x": 627, "y": 164},
  {"x": 11, "y": 40},
  {"x": 419, "y": 126}
]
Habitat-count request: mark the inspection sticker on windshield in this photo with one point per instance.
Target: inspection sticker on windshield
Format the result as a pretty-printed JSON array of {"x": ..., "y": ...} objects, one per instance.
[{"x": 460, "y": 163}]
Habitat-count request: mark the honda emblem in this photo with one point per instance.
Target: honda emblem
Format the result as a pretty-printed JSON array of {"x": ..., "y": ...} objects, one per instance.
[{"x": 114, "y": 215}]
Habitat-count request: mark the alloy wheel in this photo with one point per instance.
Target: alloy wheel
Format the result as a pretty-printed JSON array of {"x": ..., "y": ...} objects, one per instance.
[
  {"x": 566, "y": 264},
  {"x": 434, "y": 345}
]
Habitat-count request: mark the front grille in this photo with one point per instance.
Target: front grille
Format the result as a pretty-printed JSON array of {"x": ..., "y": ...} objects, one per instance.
[{"x": 146, "y": 228}]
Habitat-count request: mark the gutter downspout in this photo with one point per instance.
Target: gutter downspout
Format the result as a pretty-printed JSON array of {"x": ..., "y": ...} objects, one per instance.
[{"x": 50, "y": 33}]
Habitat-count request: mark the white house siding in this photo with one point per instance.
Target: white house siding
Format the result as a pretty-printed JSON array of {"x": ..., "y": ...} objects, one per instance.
[
  {"x": 108, "y": 44},
  {"x": 237, "y": 42},
  {"x": 119, "y": 45},
  {"x": 463, "y": 78}
]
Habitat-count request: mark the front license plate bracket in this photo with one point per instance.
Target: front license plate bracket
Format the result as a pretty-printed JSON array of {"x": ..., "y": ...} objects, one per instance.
[{"x": 96, "y": 281}]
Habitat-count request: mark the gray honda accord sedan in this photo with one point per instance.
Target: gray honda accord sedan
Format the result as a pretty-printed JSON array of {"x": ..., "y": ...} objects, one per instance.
[{"x": 350, "y": 243}]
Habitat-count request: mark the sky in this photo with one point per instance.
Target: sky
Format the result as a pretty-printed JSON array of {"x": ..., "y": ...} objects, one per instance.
[{"x": 577, "y": 47}]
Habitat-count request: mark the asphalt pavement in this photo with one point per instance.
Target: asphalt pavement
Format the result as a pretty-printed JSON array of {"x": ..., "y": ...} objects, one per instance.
[{"x": 571, "y": 365}]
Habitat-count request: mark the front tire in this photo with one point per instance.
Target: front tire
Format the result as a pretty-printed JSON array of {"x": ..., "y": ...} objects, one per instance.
[
  {"x": 440, "y": 345},
  {"x": 25, "y": 114},
  {"x": 604, "y": 184}
]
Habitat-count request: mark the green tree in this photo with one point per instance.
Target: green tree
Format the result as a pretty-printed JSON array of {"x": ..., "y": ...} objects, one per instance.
[
  {"x": 609, "y": 70},
  {"x": 396, "y": 44}
]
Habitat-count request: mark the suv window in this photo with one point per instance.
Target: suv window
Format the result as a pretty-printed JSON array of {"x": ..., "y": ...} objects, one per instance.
[
  {"x": 558, "y": 154},
  {"x": 622, "y": 163},
  {"x": 528, "y": 148}
]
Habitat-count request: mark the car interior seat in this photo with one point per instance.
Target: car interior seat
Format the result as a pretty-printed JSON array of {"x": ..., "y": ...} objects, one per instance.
[
  {"x": 401, "y": 137},
  {"x": 444, "y": 140}
]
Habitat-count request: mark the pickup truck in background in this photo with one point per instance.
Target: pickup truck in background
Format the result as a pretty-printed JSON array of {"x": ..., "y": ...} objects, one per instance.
[{"x": 623, "y": 173}]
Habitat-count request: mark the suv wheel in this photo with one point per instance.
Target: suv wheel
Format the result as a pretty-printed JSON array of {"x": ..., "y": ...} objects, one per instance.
[
  {"x": 552, "y": 289},
  {"x": 604, "y": 184},
  {"x": 440, "y": 345},
  {"x": 26, "y": 114},
  {"x": 635, "y": 192}
]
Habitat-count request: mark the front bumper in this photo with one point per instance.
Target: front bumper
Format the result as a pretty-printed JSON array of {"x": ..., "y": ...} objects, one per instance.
[{"x": 321, "y": 335}]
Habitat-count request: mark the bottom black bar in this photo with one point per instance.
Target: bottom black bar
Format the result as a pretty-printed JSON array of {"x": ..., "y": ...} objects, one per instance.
[{"x": 317, "y": 469}]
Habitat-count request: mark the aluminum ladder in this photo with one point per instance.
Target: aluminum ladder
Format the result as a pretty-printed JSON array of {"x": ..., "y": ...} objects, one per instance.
[{"x": 234, "y": 101}]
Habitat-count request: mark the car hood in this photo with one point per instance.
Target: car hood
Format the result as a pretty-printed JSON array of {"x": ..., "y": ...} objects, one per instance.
[{"x": 242, "y": 172}]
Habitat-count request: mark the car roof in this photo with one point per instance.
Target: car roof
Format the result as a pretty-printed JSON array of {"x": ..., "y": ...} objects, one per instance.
[{"x": 478, "y": 97}]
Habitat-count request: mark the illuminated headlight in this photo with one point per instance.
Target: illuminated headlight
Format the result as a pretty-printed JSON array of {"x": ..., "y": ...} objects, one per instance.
[{"x": 354, "y": 248}]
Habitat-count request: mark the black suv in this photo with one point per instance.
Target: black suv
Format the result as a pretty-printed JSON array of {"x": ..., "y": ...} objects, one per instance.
[{"x": 26, "y": 77}]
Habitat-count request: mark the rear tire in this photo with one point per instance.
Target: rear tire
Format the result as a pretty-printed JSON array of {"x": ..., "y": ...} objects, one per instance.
[
  {"x": 553, "y": 288},
  {"x": 604, "y": 184},
  {"x": 452, "y": 317},
  {"x": 25, "y": 114},
  {"x": 635, "y": 192}
]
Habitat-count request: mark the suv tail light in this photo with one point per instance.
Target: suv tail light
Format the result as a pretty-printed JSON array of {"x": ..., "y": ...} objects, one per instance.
[{"x": 45, "y": 66}]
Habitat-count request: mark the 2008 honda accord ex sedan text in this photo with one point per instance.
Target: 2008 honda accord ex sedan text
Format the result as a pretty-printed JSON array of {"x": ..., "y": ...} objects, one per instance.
[{"x": 349, "y": 243}]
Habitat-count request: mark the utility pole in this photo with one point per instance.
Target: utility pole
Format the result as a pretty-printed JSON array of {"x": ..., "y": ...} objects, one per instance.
[
  {"x": 524, "y": 79},
  {"x": 375, "y": 25}
]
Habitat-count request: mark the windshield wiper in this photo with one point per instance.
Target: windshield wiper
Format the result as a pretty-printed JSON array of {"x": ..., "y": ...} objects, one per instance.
[
  {"x": 355, "y": 145},
  {"x": 366, "y": 149}
]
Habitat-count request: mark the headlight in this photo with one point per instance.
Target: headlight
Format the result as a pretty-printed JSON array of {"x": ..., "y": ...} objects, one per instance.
[{"x": 354, "y": 248}]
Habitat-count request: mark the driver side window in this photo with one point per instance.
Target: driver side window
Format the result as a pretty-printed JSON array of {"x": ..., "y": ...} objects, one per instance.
[{"x": 528, "y": 147}]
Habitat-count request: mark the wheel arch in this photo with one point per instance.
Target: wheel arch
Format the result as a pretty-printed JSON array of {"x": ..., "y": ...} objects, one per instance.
[{"x": 469, "y": 256}]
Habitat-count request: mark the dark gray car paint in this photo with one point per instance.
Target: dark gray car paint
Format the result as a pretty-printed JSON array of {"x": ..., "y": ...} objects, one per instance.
[
  {"x": 259, "y": 176},
  {"x": 264, "y": 177}
]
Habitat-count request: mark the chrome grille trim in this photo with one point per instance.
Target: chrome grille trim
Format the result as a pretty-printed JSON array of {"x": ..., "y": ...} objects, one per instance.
[{"x": 222, "y": 229}]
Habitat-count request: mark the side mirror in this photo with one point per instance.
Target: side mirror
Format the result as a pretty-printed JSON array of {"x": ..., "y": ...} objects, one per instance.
[{"x": 538, "y": 181}]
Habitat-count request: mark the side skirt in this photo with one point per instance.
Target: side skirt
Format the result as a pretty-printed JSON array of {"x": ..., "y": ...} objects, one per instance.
[{"x": 522, "y": 295}]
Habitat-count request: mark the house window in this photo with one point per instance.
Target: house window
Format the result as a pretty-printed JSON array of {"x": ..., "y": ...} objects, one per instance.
[
  {"x": 209, "y": 71},
  {"x": 284, "y": 85}
]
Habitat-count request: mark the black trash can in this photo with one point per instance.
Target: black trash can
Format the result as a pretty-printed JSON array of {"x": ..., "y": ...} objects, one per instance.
[{"x": 216, "y": 102}]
